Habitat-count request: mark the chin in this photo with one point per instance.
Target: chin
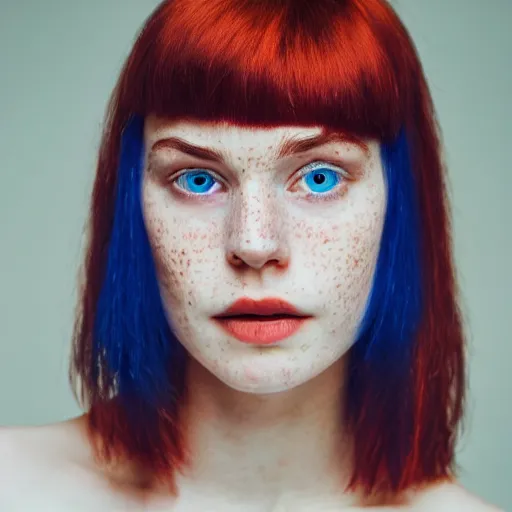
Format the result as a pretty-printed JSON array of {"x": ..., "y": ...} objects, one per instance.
[
  {"x": 264, "y": 387},
  {"x": 257, "y": 376}
]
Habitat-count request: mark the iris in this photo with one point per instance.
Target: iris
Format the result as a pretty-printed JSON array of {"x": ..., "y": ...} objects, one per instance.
[
  {"x": 321, "y": 180},
  {"x": 196, "y": 182}
]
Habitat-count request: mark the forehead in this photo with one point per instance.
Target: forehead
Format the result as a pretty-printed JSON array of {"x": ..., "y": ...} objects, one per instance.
[{"x": 223, "y": 133}]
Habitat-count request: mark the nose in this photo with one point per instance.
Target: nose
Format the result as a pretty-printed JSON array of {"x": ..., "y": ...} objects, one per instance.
[{"x": 257, "y": 235}]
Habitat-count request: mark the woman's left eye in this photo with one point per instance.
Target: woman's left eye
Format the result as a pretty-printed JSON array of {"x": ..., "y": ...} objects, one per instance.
[{"x": 321, "y": 180}]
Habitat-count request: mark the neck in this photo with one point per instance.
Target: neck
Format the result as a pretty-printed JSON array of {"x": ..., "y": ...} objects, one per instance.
[{"x": 267, "y": 445}]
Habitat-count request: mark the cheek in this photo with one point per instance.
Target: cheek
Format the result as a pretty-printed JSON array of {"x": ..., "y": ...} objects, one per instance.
[
  {"x": 183, "y": 252},
  {"x": 340, "y": 257},
  {"x": 170, "y": 259}
]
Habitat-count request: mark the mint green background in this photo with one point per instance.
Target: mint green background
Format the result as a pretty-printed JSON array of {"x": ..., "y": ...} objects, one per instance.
[{"x": 59, "y": 60}]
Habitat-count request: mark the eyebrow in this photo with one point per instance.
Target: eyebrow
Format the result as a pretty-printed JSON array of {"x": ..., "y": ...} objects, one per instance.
[{"x": 288, "y": 148}]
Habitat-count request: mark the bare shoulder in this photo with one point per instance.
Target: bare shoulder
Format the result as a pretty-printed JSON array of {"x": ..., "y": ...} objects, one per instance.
[
  {"x": 451, "y": 497},
  {"x": 46, "y": 445},
  {"x": 35, "y": 462}
]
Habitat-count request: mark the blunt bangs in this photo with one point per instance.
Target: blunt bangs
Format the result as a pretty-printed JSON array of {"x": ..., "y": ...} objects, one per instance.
[{"x": 266, "y": 63}]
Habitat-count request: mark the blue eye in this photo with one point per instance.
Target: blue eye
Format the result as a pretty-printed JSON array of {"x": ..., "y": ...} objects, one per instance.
[
  {"x": 196, "y": 182},
  {"x": 322, "y": 180}
]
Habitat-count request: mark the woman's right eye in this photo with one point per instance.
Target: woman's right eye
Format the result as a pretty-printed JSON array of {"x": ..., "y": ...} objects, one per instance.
[{"x": 197, "y": 182}]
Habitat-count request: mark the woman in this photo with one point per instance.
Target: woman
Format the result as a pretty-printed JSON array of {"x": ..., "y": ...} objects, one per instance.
[{"x": 268, "y": 319}]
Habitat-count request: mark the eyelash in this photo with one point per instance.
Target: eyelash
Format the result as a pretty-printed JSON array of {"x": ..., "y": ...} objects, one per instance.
[{"x": 337, "y": 190}]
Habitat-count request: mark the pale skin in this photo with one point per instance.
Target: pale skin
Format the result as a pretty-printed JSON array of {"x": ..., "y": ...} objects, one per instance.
[{"x": 265, "y": 429}]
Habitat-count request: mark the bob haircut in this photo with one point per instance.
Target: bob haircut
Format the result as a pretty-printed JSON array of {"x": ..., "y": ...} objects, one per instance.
[{"x": 348, "y": 66}]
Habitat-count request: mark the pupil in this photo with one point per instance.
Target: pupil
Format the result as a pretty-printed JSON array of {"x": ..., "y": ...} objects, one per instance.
[
  {"x": 200, "y": 180},
  {"x": 319, "y": 179}
]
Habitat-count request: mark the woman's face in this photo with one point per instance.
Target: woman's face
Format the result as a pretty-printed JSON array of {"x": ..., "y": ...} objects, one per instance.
[{"x": 254, "y": 215}]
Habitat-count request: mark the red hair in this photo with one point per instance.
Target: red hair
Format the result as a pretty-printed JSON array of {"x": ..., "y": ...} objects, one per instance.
[{"x": 348, "y": 65}]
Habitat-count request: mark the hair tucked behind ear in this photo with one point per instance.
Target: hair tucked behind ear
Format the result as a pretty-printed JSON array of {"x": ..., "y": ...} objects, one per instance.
[{"x": 348, "y": 66}]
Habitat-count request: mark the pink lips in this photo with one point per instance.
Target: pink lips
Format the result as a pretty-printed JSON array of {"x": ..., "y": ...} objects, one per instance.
[{"x": 261, "y": 322}]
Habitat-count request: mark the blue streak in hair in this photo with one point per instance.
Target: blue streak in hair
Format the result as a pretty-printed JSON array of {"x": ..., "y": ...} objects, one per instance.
[
  {"x": 394, "y": 307},
  {"x": 132, "y": 332}
]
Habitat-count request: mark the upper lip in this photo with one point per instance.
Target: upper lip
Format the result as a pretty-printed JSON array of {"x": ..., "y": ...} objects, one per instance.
[{"x": 263, "y": 307}]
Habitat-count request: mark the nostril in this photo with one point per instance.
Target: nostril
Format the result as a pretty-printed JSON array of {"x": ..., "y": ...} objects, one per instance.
[{"x": 235, "y": 260}]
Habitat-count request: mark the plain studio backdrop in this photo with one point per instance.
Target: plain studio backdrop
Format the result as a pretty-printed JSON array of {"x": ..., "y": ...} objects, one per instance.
[{"x": 59, "y": 60}]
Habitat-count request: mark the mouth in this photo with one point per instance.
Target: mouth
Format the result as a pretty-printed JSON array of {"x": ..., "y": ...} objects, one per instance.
[{"x": 262, "y": 322}]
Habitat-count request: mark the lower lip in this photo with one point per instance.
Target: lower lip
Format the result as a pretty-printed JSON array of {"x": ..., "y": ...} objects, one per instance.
[{"x": 261, "y": 332}]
